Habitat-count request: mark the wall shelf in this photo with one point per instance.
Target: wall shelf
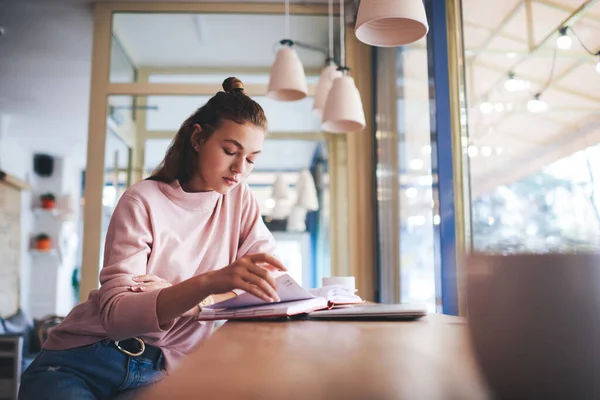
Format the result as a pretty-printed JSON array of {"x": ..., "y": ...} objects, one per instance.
[
  {"x": 43, "y": 211},
  {"x": 50, "y": 253}
]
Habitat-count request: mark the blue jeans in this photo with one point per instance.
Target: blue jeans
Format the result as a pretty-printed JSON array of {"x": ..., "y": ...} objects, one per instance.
[{"x": 98, "y": 371}]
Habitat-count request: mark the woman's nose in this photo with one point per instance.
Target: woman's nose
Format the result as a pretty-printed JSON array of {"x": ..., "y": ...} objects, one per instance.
[{"x": 238, "y": 166}]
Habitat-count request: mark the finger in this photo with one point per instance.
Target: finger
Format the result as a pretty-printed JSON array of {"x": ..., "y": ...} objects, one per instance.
[
  {"x": 260, "y": 282},
  {"x": 263, "y": 273},
  {"x": 148, "y": 278},
  {"x": 253, "y": 290},
  {"x": 268, "y": 259}
]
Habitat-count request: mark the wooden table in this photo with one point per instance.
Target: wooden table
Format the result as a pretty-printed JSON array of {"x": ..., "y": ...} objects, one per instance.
[{"x": 426, "y": 359}]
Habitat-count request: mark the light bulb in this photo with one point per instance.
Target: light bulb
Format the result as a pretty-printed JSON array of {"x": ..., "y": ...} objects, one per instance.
[
  {"x": 472, "y": 151},
  {"x": 536, "y": 105},
  {"x": 513, "y": 84},
  {"x": 411, "y": 192},
  {"x": 486, "y": 107},
  {"x": 564, "y": 42}
]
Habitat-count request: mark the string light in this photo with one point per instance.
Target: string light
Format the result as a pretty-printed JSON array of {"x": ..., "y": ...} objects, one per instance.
[
  {"x": 513, "y": 84},
  {"x": 564, "y": 40},
  {"x": 536, "y": 105}
]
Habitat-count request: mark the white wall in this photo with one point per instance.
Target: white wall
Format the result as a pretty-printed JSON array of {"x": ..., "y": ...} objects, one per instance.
[{"x": 16, "y": 160}]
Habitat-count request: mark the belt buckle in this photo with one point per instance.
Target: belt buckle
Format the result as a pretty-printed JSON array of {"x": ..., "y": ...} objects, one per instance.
[{"x": 139, "y": 353}]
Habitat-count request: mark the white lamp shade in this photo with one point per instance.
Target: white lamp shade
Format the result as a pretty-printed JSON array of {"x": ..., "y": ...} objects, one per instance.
[
  {"x": 328, "y": 74},
  {"x": 287, "y": 81},
  {"x": 343, "y": 109},
  {"x": 390, "y": 23},
  {"x": 296, "y": 221},
  {"x": 281, "y": 189},
  {"x": 307, "y": 191},
  {"x": 280, "y": 211}
]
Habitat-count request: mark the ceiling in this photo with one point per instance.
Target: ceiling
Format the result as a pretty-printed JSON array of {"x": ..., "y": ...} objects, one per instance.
[
  {"x": 499, "y": 40},
  {"x": 215, "y": 40},
  {"x": 45, "y": 75},
  {"x": 506, "y": 141}
]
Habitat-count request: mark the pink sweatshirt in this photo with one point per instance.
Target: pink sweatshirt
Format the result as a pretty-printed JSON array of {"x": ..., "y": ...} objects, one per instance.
[{"x": 159, "y": 229}]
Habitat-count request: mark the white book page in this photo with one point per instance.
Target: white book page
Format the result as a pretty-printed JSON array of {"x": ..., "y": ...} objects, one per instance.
[{"x": 287, "y": 290}]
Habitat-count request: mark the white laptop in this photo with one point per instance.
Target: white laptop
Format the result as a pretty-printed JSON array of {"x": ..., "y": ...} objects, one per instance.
[{"x": 373, "y": 312}]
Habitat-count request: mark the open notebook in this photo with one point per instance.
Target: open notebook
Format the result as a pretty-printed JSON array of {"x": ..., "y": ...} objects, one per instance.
[{"x": 294, "y": 300}]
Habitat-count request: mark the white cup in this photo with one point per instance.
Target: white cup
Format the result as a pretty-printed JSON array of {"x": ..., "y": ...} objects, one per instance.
[
  {"x": 348, "y": 282},
  {"x": 534, "y": 321}
]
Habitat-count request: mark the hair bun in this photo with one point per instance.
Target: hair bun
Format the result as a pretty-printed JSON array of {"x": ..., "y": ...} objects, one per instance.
[{"x": 233, "y": 84}]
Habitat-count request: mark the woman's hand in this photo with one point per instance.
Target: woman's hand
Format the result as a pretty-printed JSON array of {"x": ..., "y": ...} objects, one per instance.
[
  {"x": 148, "y": 283},
  {"x": 249, "y": 273}
]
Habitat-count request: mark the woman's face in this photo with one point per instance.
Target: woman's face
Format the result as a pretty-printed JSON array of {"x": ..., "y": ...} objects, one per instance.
[{"x": 228, "y": 156}]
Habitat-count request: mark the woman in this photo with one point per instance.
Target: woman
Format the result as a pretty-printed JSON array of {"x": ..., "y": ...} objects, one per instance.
[{"x": 189, "y": 235}]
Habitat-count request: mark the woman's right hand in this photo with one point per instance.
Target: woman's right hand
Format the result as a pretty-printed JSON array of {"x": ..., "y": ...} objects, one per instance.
[{"x": 249, "y": 273}]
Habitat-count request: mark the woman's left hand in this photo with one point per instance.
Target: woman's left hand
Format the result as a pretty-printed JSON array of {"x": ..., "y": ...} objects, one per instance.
[{"x": 148, "y": 283}]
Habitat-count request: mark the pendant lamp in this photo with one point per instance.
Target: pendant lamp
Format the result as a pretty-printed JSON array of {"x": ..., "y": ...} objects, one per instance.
[
  {"x": 281, "y": 189},
  {"x": 390, "y": 23},
  {"x": 328, "y": 73},
  {"x": 343, "y": 110},
  {"x": 287, "y": 81},
  {"x": 306, "y": 191}
]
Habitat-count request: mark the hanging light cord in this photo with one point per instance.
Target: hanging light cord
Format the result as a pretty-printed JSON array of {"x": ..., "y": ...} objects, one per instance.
[
  {"x": 287, "y": 19},
  {"x": 289, "y": 42},
  {"x": 330, "y": 21},
  {"x": 549, "y": 81},
  {"x": 342, "y": 36},
  {"x": 583, "y": 45}
]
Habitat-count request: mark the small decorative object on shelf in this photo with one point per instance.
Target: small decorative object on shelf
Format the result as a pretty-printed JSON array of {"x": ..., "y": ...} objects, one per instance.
[
  {"x": 48, "y": 201},
  {"x": 43, "y": 242}
]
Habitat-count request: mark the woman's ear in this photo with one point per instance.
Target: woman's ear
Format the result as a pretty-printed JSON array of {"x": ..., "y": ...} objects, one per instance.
[{"x": 196, "y": 137}]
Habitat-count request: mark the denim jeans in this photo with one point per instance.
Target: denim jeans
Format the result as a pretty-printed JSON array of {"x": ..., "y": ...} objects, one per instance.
[{"x": 98, "y": 371}]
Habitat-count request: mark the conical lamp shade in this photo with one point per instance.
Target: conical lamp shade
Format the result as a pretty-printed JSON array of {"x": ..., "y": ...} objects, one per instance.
[
  {"x": 287, "y": 81},
  {"x": 390, "y": 23},
  {"x": 296, "y": 221},
  {"x": 307, "y": 191},
  {"x": 343, "y": 110},
  {"x": 281, "y": 190},
  {"x": 328, "y": 74}
]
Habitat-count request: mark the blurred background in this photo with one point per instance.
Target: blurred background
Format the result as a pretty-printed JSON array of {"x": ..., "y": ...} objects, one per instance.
[{"x": 483, "y": 135}]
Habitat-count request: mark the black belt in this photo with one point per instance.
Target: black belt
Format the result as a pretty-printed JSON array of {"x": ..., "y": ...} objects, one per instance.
[{"x": 135, "y": 347}]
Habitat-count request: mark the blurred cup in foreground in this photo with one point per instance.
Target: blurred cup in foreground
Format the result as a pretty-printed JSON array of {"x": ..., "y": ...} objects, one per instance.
[{"x": 534, "y": 320}]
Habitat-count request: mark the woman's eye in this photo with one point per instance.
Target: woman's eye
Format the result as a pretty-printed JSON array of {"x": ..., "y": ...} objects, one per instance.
[
  {"x": 250, "y": 161},
  {"x": 228, "y": 152}
]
